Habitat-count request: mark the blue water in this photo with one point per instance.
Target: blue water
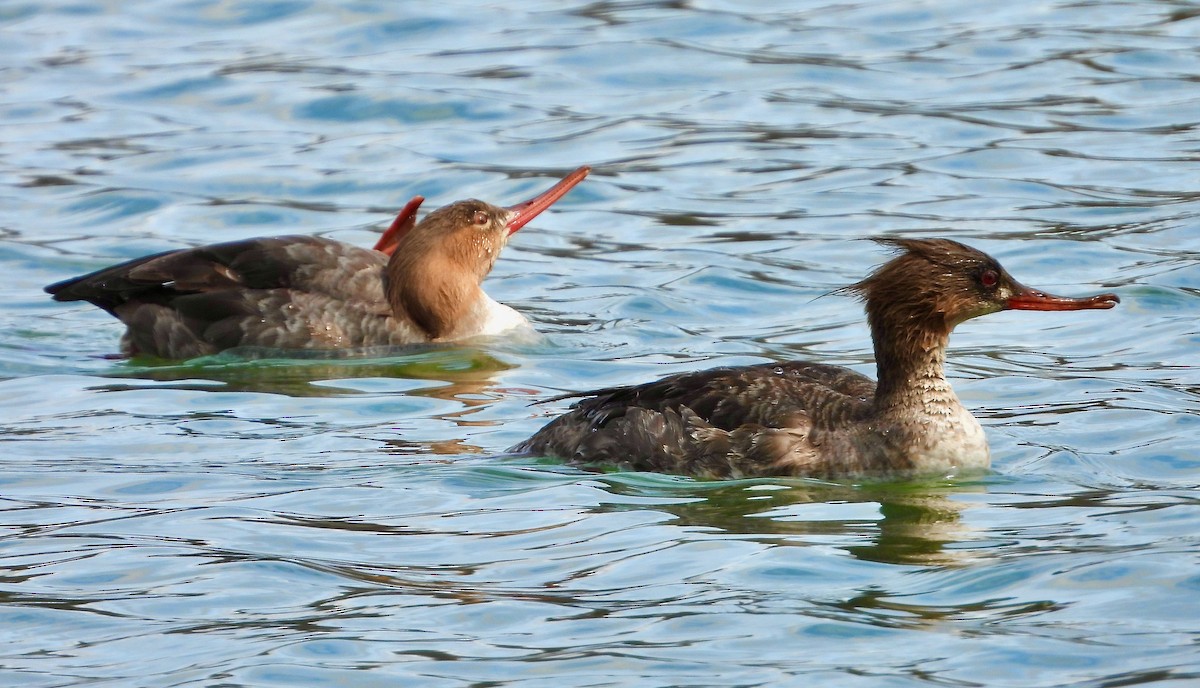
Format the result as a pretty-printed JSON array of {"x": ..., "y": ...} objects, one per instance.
[{"x": 240, "y": 521}]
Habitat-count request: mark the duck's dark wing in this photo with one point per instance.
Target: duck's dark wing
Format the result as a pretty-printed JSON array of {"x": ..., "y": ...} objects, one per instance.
[
  {"x": 768, "y": 394},
  {"x": 302, "y": 263},
  {"x": 280, "y": 292},
  {"x": 705, "y": 416}
]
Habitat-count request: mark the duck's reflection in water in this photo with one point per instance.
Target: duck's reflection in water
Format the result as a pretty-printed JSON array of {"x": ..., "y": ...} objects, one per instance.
[
  {"x": 888, "y": 522},
  {"x": 315, "y": 374}
]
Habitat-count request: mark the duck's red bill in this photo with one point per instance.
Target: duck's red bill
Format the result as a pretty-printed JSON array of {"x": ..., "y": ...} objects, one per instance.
[
  {"x": 1033, "y": 300},
  {"x": 524, "y": 212},
  {"x": 404, "y": 222}
]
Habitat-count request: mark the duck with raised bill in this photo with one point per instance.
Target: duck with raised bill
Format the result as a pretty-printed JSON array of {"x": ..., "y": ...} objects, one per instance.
[{"x": 422, "y": 283}]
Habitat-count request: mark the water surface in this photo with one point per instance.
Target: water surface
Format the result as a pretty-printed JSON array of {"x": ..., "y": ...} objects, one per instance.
[{"x": 251, "y": 521}]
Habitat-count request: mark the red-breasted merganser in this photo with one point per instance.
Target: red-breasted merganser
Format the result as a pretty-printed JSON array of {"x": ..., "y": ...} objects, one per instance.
[
  {"x": 420, "y": 284},
  {"x": 807, "y": 419}
]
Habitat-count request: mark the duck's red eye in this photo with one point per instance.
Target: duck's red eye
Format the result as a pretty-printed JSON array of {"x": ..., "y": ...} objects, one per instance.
[
  {"x": 481, "y": 218},
  {"x": 989, "y": 279}
]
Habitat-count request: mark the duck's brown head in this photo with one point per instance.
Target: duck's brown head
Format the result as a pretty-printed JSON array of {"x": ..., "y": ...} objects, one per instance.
[
  {"x": 464, "y": 238},
  {"x": 935, "y": 284},
  {"x": 437, "y": 265}
]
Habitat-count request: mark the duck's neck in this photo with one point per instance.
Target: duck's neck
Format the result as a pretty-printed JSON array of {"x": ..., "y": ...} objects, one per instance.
[
  {"x": 433, "y": 292},
  {"x": 920, "y": 420},
  {"x": 910, "y": 361}
]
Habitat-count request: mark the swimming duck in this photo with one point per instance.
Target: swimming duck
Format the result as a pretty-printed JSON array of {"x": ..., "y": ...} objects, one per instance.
[
  {"x": 420, "y": 284},
  {"x": 808, "y": 419}
]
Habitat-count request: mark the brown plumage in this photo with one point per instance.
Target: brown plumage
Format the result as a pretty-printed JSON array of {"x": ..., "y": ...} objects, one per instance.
[
  {"x": 805, "y": 419},
  {"x": 420, "y": 284}
]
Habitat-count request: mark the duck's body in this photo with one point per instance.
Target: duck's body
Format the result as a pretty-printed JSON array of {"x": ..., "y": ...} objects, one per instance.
[
  {"x": 805, "y": 419},
  {"x": 775, "y": 419},
  {"x": 420, "y": 284}
]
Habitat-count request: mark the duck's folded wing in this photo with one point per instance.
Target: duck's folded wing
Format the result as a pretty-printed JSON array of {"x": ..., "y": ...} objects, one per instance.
[
  {"x": 771, "y": 395},
  {"x": 301, "y": 263}
]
